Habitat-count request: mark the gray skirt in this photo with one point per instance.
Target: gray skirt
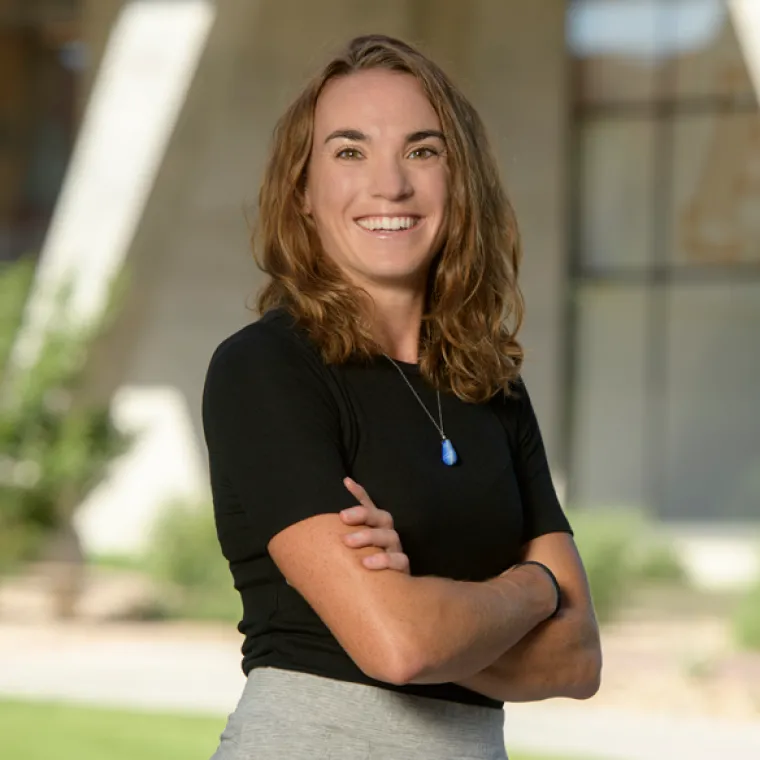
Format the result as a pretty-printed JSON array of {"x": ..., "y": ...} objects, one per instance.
[{"x": 286, "y": 715}]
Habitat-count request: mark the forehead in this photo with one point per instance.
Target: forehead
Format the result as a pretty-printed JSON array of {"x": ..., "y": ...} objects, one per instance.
[{"x": 374, "y": 101}]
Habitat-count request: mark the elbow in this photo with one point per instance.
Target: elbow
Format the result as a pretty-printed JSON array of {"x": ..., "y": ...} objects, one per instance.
[
  {"x": 588, "y": 675},
  {"x": 587, "y": 688},
  {"x": 394, "y": 669},
  {"x": 399, "y": 674},
  {"x": 393, "y": 660}
]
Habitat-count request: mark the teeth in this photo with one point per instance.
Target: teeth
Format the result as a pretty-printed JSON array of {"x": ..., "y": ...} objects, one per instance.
[{"x": 389, "y": 223}]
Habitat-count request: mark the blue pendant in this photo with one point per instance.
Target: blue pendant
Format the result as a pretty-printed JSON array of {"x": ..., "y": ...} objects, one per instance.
[{"x": 448, "y": 455}]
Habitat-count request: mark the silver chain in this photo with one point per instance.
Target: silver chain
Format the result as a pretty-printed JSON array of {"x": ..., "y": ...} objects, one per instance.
[{"x": 439, "y": 427}]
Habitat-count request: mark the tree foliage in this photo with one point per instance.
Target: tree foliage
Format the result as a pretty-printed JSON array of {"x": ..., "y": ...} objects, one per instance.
[{"x": 55, "y": 445}]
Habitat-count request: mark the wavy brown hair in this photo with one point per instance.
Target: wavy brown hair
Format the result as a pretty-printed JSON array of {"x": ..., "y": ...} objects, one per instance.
[{"x": 473, "y": 308}]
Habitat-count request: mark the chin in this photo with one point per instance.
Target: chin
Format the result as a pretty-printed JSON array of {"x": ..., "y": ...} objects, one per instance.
[
  {"x": 400, "y": 269},
  {"x": 401, "y": 276}
]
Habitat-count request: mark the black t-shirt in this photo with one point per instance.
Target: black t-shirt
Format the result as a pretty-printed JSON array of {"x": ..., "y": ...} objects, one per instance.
[{"x": 283, "y": 429}]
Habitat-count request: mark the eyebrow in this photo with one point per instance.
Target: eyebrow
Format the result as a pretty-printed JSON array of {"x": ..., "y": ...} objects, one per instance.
[{"x": 358, "y": 136}]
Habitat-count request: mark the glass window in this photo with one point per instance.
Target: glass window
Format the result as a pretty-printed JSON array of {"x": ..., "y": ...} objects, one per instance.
[
  {"x": 710, "y": 59},
  {"x": 682, "y": 64},
  {"x": 615, "y": 45},
  {"x": 643, "y": 49},
  {"x": 716, "y": 189},
  {"x": 607, "y": 450},
  {"x": 617, "y": 165},
  {"x": 712, "y": 467}
]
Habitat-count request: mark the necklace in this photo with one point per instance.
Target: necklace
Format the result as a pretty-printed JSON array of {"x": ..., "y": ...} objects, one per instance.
[{"x": 448, "y": 453}]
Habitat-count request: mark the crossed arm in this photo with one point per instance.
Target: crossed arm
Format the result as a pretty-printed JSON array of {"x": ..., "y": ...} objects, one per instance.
[
  {"x": 492, "y": 637},
  {"x": 560, "y": 657}
]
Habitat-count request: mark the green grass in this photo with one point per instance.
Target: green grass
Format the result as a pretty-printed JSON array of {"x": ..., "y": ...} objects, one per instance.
[
  {"x": 47, "y": 731},
  {"x": 116, "y": 561},
  {"x": 42, "y": 731}
]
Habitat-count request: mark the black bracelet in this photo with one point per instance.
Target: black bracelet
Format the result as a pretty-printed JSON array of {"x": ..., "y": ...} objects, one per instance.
[{"x": 553, "y": 580}]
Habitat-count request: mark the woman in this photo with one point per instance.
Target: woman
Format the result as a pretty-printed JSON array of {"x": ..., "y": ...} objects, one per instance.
[{"x": 385, "y": 371}]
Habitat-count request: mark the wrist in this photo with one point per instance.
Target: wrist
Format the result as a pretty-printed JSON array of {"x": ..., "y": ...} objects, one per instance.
[{"x": 548, "y": 580}]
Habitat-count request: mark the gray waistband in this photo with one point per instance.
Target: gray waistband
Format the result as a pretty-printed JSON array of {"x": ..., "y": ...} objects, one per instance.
[{"x": 285, "y": 713}]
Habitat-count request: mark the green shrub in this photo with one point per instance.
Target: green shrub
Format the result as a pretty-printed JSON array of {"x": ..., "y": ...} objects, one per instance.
[
  {"x": 659, "y": 562},
  {"x": 605, "y": 539},
  {"x": 621, "y": 551},
  {"x": 15, "y": 283},
  {"x": 56, "y": 442},
  {"x": 746, "y": 620},
  {"x": 184, "y": 555}
]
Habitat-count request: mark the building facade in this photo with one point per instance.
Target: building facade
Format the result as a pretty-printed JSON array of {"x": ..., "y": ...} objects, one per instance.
[{"x": 629, "y": 141}]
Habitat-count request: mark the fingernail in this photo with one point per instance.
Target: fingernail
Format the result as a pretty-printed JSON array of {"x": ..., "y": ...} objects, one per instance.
[{"x": 349, "y": 513}]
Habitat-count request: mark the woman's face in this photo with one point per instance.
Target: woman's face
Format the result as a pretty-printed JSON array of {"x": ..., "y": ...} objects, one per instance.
[{"x": 377, "y": 183}]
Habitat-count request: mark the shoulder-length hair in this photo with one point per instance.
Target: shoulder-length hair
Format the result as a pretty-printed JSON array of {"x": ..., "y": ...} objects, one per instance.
[{"x": 474, "y": 307}]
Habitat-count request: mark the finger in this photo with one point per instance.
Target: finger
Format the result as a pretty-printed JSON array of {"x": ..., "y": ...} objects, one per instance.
[
  {"x": 356, "y": 490},
  {"x": 398, "y": 561},
  {"x": 355, "y": 515},
  {"x": 374, "y": 517},
  {"x": 371, "y": 516},
  {"x": 387, "y": 561},
  {"x": 384, "y": 539},
  {"x": 377, "y": 561},
  {"x": 382, "y": 519}
]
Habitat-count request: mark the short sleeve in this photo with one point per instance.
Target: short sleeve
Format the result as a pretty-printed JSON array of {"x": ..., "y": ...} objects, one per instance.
[
  {"x": 273, "y": 431},
  {"x": 542, "y": 512}
]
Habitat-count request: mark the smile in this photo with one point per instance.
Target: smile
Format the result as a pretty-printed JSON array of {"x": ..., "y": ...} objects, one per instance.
[{"x": 388, "y": 223}]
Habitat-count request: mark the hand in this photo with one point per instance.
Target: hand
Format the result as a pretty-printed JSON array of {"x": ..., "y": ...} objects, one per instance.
[{"x": 377, "y": 531}]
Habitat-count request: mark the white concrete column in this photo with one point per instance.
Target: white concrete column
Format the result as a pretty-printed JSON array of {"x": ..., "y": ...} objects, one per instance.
[
  {"x": 517, "y": 75},
  {"x": 746, "y": 18}
]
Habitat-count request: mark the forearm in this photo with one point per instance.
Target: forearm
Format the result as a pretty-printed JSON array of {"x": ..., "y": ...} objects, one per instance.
[
  {"x": 460, "y": 628},
  {"x": 558, "y": 658}
]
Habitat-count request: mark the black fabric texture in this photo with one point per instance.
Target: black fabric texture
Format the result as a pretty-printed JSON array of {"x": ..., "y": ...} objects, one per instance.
[{"x": 283, "y": 429}]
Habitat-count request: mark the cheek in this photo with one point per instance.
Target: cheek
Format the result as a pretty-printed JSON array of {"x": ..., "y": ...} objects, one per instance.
[
  {"x": 437, "y": 189},
  {"x": 440, "y": 201},
  {"x": 444, "y": 188},
  {"x": 439, "y": 194},
  {"x": 331, "y": 201}
]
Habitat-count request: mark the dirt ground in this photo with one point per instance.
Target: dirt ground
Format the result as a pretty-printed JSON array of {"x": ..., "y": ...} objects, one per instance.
[
  {"x": 676, "y": 666},
  {"x": 669, "y": 653}
]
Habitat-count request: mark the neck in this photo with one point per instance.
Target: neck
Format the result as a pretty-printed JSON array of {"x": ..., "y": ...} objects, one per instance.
[{"x": 396, "y": 318}]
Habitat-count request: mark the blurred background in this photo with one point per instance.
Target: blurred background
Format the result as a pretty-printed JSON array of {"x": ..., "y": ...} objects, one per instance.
[{"x": 133, "y": 134}]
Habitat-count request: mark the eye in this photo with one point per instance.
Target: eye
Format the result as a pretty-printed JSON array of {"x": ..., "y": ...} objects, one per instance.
[
  {"x": 349, "y": 153},
  {"x": 423, "y": 153}
]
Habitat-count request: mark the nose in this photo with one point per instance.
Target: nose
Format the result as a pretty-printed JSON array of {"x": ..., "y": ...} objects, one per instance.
[{"x": 389, "y": 179}]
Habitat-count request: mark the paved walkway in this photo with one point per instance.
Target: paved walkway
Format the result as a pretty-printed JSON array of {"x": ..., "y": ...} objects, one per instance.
[{"x": 188, "y": 669}]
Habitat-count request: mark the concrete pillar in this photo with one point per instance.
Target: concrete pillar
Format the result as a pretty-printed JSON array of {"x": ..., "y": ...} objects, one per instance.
[
  {"x": 96, "y": 21},
  {"x": 517, "y": 78}
]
